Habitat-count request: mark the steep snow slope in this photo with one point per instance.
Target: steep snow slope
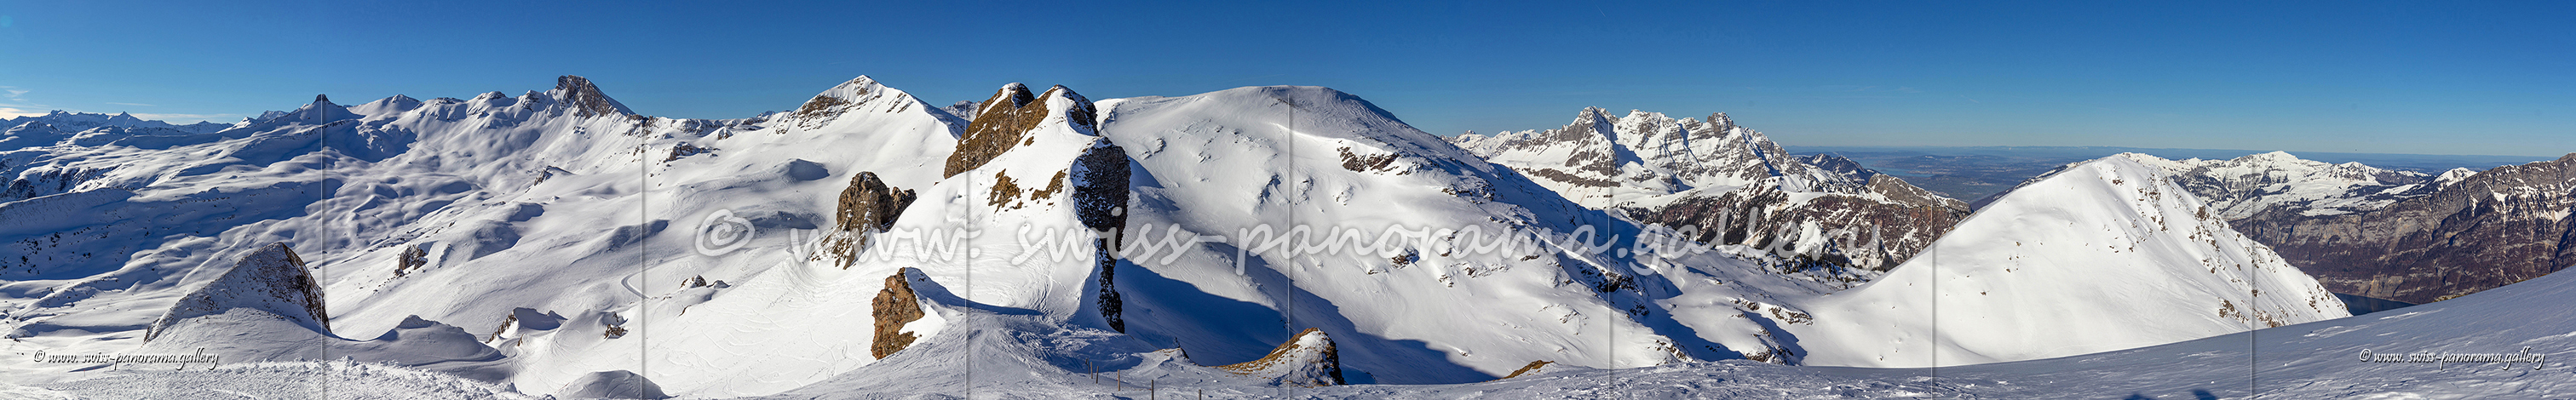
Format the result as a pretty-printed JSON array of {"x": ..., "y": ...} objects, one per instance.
[
  {"x": 2106, "y": 255},
  {"x": 1312, "y": 191}
]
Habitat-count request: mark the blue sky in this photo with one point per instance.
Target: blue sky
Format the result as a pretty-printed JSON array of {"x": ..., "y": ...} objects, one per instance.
[{"x": 2378, "y": 77}]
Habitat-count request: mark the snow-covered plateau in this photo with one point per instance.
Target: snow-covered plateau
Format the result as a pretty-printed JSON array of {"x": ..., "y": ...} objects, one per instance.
[{"x": 1257, "y": 242}]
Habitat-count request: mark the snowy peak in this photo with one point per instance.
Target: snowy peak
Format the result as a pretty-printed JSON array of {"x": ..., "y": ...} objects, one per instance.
[
  {"x": 2280, "y": 182},
  {"x": 320, "y": 111},
  {"x": 861, "y": 95},
  {"x": 2455, "y": 175},
  {"x": 386, "y": 107},
  {"x": 1012, "y": 115},
  {"x": 270, "y": 280},
  {"x": 2061, "y": 267},
  {"x": 1837, "y": 164},
  {"x": 585, "y": 98}
]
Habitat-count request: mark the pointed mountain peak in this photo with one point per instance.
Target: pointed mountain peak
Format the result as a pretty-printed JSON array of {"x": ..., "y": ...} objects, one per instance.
[
  {"x": 862, "y": 94},
  {"x": 585, "y": 97},
  {"x": 1592, "y": 114},
  {"x": 1018, "y": 95},
  {"x": 1066, "y": 92},
  {"x": 321, "y": 110},
  {"x": 1721, "y": 121}
]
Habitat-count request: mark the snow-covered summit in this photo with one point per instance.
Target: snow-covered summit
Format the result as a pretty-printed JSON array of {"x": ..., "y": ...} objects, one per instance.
[
  {"x": 2242, "y": 187},
  {"x": 2106, "y": 255}
]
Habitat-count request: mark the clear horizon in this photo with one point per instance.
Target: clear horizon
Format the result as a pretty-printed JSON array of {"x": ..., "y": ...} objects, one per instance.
[{"x": 2379, "y": 77}]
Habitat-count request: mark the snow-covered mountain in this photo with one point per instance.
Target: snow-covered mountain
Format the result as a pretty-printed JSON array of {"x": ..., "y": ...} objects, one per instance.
[
  {"x": 2472, "y": 232},
  {"x": 867, "y": 243},
  {"x": 2107, "y": 255},
  {"x": 2239, "y": 188},
  {"x": 2390, "y": 234},
  {"x": 1730, "y": 185},
  {"x": 74, "y": 122}
]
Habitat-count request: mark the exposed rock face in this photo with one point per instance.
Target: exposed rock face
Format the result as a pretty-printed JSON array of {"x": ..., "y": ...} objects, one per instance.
[
  {"x": 1730, "y": 185},
  {"x": 1100, "y": 200},
  {"x": 586, "y": 100},
  {"x": 867, "y": 206},
  {"x": 2487, "y": 230},
  {"x": 271, "y": 280},
  {"x": 894, "y": 306},
  {"x": 1307, "y": 359},
  {"x": 1047, "y": 160},
  {"x": 1005, "y": 121},
  {"x": 1533, "y": 367}
]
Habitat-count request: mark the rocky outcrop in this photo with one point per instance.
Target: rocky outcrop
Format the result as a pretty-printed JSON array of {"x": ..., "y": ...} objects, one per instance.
[
  {"x": 1100, "y": 178},
  {"x": 585, "y": 98},
  {"x": 1004, "y": 123},
  {"x": 271, "y": 280},
  {"x": 1533, "y": 368},
  {"x": 867, "y": 206},
  {"x": 893, "y": 307},
  {"x": 2487, "y": 230},
  {"x": 1308, "y": 359}
]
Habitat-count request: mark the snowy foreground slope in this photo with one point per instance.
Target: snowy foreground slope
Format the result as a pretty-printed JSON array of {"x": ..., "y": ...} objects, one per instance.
[
  {"x": 2312, "y": 360},
  {"x": 1257, "y": 240}
]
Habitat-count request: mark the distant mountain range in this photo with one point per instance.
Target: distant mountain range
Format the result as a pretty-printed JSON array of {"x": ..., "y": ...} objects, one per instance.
[{"x": 1975, "y": 172}]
